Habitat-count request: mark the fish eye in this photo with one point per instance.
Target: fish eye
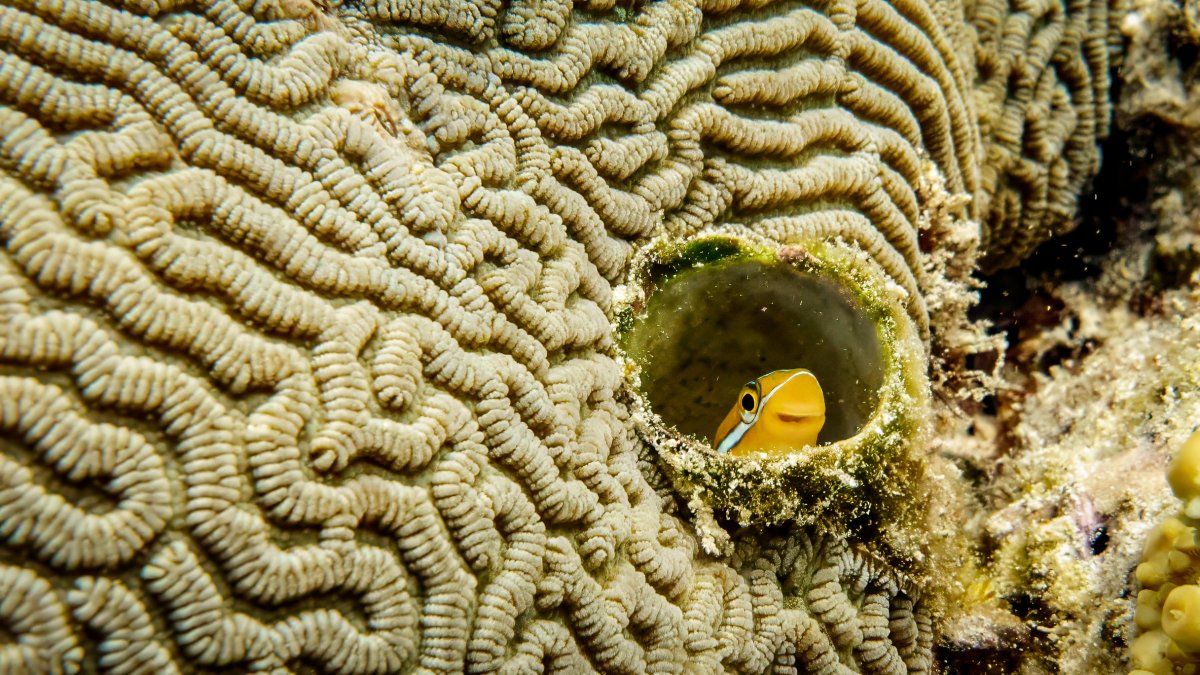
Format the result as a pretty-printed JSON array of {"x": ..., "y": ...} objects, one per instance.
[{"x": 748, "y": 401}]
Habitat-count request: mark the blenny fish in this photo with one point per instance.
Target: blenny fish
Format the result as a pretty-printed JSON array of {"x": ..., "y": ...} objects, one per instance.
[{"x": 780, "y": 411}]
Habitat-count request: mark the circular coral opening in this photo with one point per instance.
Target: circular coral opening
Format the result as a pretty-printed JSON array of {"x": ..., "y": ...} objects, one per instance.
[{"x": 706, "y": 331}]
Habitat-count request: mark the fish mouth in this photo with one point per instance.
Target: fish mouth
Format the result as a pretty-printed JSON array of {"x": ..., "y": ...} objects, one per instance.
[{"x": 795, "y": 417}]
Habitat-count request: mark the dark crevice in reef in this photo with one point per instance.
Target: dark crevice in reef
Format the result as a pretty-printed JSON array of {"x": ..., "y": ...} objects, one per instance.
[
  {"x": 969, "y": 663},
  {"x": 1020, "y": 301},
  {"x": 1115, "y": 198}
]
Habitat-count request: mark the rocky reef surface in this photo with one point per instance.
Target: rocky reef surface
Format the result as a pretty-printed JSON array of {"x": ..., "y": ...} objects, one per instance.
[{"x": 385, "y": 336}]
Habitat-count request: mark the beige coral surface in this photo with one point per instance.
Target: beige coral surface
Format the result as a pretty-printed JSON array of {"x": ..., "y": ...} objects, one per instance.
[{"x": 305, "y": 351}]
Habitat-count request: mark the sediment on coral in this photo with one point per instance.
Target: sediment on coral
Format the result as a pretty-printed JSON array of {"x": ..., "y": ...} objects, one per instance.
[{"x": 306, "y": 354}]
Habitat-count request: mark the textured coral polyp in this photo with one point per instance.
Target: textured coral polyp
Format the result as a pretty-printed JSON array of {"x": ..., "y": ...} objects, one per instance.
[{"x": 1168, "y": 602}]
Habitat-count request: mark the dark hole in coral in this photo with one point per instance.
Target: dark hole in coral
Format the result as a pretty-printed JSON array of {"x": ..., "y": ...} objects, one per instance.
[
  {"x": 1024, "y": 605},
  {"x": 707, "y": 331},
  {"x": 1099, "y": 540},
  {"x": 1187, "y": 53}
]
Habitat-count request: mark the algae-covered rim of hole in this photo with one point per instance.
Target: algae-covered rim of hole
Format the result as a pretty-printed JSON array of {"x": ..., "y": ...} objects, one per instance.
[{"x": 834, "y": 467}]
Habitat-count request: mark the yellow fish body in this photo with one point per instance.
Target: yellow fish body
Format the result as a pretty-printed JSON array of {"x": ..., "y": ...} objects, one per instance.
[{"x": 777, "y": 412}]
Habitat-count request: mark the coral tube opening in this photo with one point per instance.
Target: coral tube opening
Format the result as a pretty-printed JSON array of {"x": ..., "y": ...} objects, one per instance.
[{"x": 706, "y": 331}]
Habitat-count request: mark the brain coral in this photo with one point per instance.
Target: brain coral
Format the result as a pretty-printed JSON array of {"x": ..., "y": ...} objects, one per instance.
[{"x": 306, "y": 348}]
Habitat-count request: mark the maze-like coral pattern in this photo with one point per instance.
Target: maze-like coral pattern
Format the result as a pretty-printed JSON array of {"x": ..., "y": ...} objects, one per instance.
[
  {"x": 1043, "y": 101},
  {"x": 305, "y": 355}
]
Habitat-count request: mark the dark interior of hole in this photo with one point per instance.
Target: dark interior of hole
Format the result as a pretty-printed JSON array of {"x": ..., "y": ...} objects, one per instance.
[{"x": 708, "y": 331}]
